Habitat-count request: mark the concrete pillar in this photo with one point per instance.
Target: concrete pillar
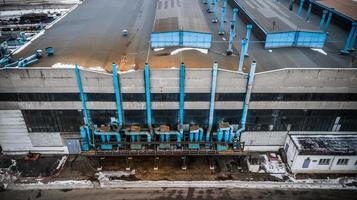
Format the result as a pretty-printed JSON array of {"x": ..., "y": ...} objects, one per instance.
[
  {"x": 214, "y": 16},
  {"x": 350, "y": 39},
  {"x": 329, "y": 18},
  {"x": 241, "y": 57},
  {"x": 247, "y": 36},
  {"x": 300, "y": 7},
  {"x": 308, "y": 14},
  {"x": 322, "y": 22}
]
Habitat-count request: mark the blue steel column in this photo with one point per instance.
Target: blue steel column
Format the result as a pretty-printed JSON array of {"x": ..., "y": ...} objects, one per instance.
[
  {"x": 117, "y": 95},
  {"x": 209, "y": 3},
  {"x": 350, "y": 39},
  {"x": 182, "y": 94},
  {"x": 86, "y": 115},
  {"x": 241, "y": 58},
  {"x": 225, "y": 12},
  {"x": 291, "y": 4},
  {"x": 327, "y": 24},
  {"x": 247, "y": 36},
  {"x": 353, "y": 41},
  {"x": 214, "y": 16},
  {"x": 247, "y": 99},
  {"x": 147, "y": 94},
  {"x": 212, "y": 101},
  {"x": 221, "y": 26},
  {"x": 300, "y": 7},
  {"x": 308, "y": 14},
  {"x": 322, "y": 22},
  {"x": 232, "y": 31}
]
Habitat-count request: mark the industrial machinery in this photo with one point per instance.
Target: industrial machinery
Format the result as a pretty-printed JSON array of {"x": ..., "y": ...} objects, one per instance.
[{"x": 115, "y": 138}]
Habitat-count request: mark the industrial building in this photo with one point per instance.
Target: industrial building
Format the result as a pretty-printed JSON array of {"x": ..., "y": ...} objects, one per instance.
[{"x": 181, "y": 82}]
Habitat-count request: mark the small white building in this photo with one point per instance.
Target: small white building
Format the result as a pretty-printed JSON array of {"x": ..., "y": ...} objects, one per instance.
[{"x": 321, "y": 153}]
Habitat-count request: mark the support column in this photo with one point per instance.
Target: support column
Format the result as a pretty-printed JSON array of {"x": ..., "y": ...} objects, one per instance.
[
  {"x": 147, "y": 94},
  {"x": 209, "y": 4},
  {"x": 223, "y": 18},
  {"x": 353, "y": 41},
  {"x": 225, "y": 6},
  {"x": 350, "y": 39},
  {"x": 212, "y": 102},
  {"x": 232, "y": 29},
  {"x": 247, "y": 36},
  {"x": 300, "y": 7},
  {"x": 182, "y": 94},
  {"x": 291, "y": 4},
  {"x": 241, "y": 57},
  {"x": 308, "y": 14},
  {"x": 117, "y": 95},
  {"x": 329, "y": 18},
  {"x": 322, "y": 22},
  {"x": 214, "y": 16}
]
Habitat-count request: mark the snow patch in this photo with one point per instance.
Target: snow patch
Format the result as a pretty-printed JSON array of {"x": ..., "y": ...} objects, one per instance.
[
  {"x": 159, "y": 49},
  {"x": 176, "y": 51},
  {"x": 98, "y": 69},
  {"x": 63, "y": 66},
  {"x": 320, "y": 51},
  {"x": 61, "y": 162}
]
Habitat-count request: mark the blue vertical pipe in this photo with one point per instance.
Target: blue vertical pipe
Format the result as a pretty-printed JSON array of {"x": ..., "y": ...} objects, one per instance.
[
  {"x": 182, "y": 95},
  {"x": 322, "y": 22},
  {"x": 350, "y": 38},
  {"x": 212, "y": 101},
  {"x": 291, "y": 4},
  {"x": 353, "y": 41},
  {"x": 214, "y": 16},
  {"x": 327, "y": 24},
  {"x": 232, "y": 32},
  {"x": 221, "y": 25},
  {"x": 117, "y": 95},
  {"x": 225, "y": 13},
  {"x": 241, "y": 57},
  {"x": 234, "y": 20},
  {"x": 308, "y": 14},
  {"x": 300, "y": 7},
  {"x": 247, "y": 99},
  {"x": 147, "y": 94},
  {"x": 247, "y": 36},
  {"x": 86, "y": 115},
  {"x": 209, "y": 3}
]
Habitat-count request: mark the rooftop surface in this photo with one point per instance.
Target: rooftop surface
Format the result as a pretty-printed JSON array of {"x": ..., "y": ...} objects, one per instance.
[
  {"x": 273, "y": 16},
  {"x": 326, "y": 144},
  {"x": 345, "y": 7},
  {"x": 96, "y": 39},
  {"x": 175, "y": 15}
]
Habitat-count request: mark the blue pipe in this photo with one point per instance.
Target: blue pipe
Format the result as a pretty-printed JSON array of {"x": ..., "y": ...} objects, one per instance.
[
  {"x": 247, "y": 99},
  {"x": 225, "y": 12},
  {"x": 247, "y": 36},
  {"x": 241, "y": 58},
  {"x": 214, "y": 16},
  {"x": 117, "y": 95},
  {"x": 352, "y": 44},
  {"x": 291, "y": 4},
  {"x": 232, "y": 32},
  {"x": 300, "y": 7},
  {"x": 147, "y": 94},
  {"x": 209, "y": 3},
  {"x": 308, "y": 14},
  {"x": 322, "y": 22},
  {"x": 212, "y": 101},
  {"x": 223, "y": 18},
  {"x": 234, "y": 20},
  {"x": 328, "y": 20},
  {"x": 30, "y": 60},
  {"x": 87, "y": 118},
  {"x": 182, "y": 95},
  {"x": 350, "y": 38}
]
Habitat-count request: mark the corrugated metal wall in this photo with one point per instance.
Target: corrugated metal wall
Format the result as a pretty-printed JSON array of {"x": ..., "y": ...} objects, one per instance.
[
  {"x": 295, "y": 39},
  {"x": 182, "y": 38}
]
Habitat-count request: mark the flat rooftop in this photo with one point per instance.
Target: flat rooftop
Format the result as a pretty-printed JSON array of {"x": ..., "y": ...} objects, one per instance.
[
  {"x": 273, "y": 16},
  {"x": 347, "y": 8},
  {"x": 326, "y": 144},
  {"x": 178, "y": 15},
  {"x": 91, "y": 36}
]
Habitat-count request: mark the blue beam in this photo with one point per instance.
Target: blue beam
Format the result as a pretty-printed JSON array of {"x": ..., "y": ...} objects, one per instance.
[
  {"x": 350, "y": 39},
  {"x": 300, "y": 7},
  {"x": 232, "y": 32},
  {"x": 117, "y": 95},
  {"x": 308, "y": 14},
  {"x": 182, "y": 94},
  {"x": 328, "y": 20},
  {"x": 148, "y": 94},
  {"x": 86, "y": 115},
  {"x": 223, "y": 18},
  {"x": 214, "y": 16},
  {"x": 212, "y": 101},
  {"x": 241, "y": 57},
  {"x": 247, "y": 36},
  {"x": 322, "y": 22}
]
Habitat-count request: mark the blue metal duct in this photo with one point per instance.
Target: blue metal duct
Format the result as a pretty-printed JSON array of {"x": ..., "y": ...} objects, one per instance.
[
  {"x": 241, "y": 57},
  {"x": 247, "y": 99},
  {"x": 117, "y": 95},
  {"x": 182, "y": 95},
  {"x": 147, "y": 94},
  {"x": 212, "y": 101}
]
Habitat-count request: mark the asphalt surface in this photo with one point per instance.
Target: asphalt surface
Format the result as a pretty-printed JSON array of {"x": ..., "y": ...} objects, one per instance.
[
  {"x": 91, "y": 36},
  {"x": 179, "y": 193}
]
